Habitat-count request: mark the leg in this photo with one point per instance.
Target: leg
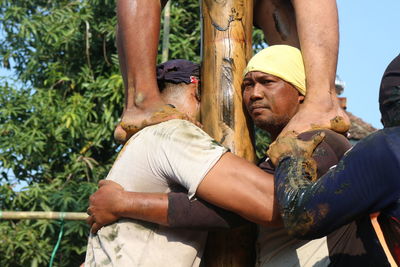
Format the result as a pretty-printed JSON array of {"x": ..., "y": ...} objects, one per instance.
[
  {"x": 317, "y": 24},
  {"x": 137, "y": 40},
  {"x": 312, "y": 25},
  {"x": 278, "y": 22}
]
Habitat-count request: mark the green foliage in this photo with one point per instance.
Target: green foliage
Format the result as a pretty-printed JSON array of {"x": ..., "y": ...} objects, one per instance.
[
  {"x": 29, "y": 242},
  {"x": 184, "y": 36},
  {"x": 56, "y": 122},
  {"x": 258, "y": 40},
  {"x": 263, "y": 140},
  {"x": 57, "y": 118}
]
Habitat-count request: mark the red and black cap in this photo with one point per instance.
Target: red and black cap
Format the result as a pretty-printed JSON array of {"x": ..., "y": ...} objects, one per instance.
[{"x": 178, "y": 71}]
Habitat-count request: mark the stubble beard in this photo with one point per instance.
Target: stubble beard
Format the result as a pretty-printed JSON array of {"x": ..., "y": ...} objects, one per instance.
[{"x": 272, "y": 125}]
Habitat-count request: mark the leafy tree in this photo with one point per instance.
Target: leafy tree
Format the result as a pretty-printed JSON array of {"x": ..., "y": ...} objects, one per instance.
[
  {"x": 58, "y": 116},
  {"x": 57, "y": 121}
]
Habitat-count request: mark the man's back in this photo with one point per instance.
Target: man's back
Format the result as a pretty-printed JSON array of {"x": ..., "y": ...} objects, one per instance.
[{"x": 156, "y": 160}]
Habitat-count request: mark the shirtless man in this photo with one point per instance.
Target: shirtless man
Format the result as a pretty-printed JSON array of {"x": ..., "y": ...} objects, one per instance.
[
  {"x": 310, "y": 25},
  {"x": 272, "y": 95}
]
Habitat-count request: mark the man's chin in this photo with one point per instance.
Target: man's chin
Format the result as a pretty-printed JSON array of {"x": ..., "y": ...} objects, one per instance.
[
  {"x": 270, "y": 126},
  {"x": 263, "y": 123}
]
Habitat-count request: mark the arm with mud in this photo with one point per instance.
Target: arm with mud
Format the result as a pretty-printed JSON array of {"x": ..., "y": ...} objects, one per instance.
[{"x": 364, "y": 181}]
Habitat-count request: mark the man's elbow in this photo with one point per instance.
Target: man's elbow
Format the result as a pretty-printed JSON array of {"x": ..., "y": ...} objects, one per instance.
[{"x": 267, "y": 216}]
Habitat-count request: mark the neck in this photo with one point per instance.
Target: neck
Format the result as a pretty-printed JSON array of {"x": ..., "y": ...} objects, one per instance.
[
  {"x": 274, "y": 133},
  {"x": 274, "y": 136}
]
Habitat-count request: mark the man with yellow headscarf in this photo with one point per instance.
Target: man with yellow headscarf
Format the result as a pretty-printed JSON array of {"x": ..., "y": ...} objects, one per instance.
[{"x": 273, "y": 89}]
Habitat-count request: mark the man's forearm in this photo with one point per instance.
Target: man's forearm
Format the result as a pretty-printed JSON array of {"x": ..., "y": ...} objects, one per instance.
[
  {"x": 111, "y": 203},
  {"x": 150, "y": 207},
  {"x": 177, "y": 211}
]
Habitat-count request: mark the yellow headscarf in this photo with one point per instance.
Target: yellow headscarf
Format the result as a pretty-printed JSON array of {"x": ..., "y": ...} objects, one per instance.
[{"x": 283, "y": 61}]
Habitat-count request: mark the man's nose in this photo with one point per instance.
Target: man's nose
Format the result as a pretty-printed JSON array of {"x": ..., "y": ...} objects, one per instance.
[{"x": 257, "y": 92}]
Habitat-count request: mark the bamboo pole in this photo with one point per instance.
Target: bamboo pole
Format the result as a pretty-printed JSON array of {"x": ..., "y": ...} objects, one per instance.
[
  {"x": 166, "y": 28},
  {"x": 226, "y": 49},
  {"x": 46, "y": 215}
]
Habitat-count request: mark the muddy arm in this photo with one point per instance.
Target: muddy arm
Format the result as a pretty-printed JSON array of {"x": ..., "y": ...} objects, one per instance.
[{"x": 364, "y": 181}]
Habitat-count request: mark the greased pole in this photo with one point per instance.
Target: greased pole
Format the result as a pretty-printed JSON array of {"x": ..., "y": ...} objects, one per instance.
[{"x": 226, "y": 49}]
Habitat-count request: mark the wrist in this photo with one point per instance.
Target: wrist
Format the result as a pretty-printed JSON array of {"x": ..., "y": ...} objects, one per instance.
[{"x": 125, "y": 204}]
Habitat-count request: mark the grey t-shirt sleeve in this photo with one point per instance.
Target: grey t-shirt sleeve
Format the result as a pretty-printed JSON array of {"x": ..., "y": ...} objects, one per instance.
[{"x": 185, "y": 154}]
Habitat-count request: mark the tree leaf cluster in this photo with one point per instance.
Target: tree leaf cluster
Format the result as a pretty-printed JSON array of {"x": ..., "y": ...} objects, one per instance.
[
  {"x": 184, "y": 36},
  {"x": 58, "y": 114},
  {"x": 56, "y": 121}
]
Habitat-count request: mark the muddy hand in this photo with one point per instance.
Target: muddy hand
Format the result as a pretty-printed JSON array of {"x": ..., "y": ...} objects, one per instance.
[{"x": 290, "y": 145}]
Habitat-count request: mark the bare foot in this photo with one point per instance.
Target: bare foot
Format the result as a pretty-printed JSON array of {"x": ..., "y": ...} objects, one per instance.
[
  {"x": 133, "y": 120},
  {"x": 313, "y": 116}
]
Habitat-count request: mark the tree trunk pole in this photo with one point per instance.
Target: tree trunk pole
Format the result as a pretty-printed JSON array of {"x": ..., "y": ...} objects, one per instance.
[{"x": 226, "y": 49}]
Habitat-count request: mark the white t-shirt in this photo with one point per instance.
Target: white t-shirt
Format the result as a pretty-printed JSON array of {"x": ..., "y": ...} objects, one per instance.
[{"x": 158, "y": 157}]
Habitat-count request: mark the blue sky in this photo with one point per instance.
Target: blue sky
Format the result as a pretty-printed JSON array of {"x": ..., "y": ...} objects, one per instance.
[{"x": 369, "y": 40}]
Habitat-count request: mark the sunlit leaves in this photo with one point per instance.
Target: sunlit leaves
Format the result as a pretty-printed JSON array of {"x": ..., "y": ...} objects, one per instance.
[{"x": 56, "y": 121}]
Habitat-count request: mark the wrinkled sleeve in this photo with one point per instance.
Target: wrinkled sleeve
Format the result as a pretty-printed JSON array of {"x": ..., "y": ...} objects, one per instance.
[{"x": 186, "y": 154}]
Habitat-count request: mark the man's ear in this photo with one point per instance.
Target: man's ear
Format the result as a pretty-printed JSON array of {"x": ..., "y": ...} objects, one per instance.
[
  {"x": 301, "y": 98},
  {"x": 197, "y": 91}
]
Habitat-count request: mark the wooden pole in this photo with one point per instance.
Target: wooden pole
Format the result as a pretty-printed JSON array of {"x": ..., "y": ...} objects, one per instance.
[
  {"x": 47, "y": 215},
  {"x": 226, "y": 49}
]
